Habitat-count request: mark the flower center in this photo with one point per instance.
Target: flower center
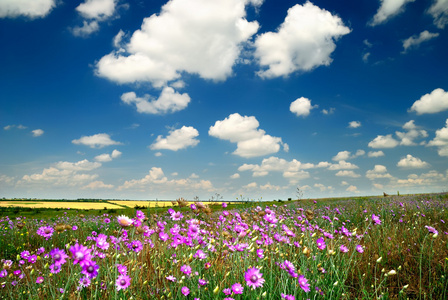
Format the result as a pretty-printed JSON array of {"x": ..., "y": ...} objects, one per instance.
[
  {"x": 253, "y": 278},
  {"x": 79, "y": 255},
  {"x": 90, "y": 269},
  {"x": 122, "y": 282},
  {"x": 57, "y": 256}
]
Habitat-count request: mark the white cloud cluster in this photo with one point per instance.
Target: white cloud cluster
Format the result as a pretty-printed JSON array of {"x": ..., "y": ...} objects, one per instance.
[
  {"x": 354, "y": 124},
  {"x": 9, "y": 127},
  {"x": 177, "y": 139},
  {"x": 37, "y": 132},
  {"x": 441, "y": 140},
  {"x": 387, "y": 10},
  {"x": 99, "y": 140},
  {"x": 345, "y": 155},
  {"x": 301, "y": 107},
  {"x": 169, "y": 101},
  {"x": 27, "y": 8},
  {"x": 375, "y": 153},
  {"x": 411, "y": 162},
  {"x": 93, "y": 11},
  {"x": 415, "y": 41},
  {"x": 378, "y": 172},
  {"x": 304, "y": 41},
  {"x": 106, "y": 157},
  {"x": 198, "y": 37},
  {"x": 439, "y": 11},
  {"x": 406, "y": 138},
  {"x": 251, "y": 141},
  {"x": 347, "y": 173},
  {"x": 157, "y": 181},
  {"x": 434, "y": 102},
  {"x": 290, "y": 169}
]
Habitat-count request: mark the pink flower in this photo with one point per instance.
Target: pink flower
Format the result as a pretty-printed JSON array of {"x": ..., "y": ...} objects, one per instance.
[
  {"x": 360, "y": 249},
  {"x": 343, "y": 249},
  {"x": 254, "y": 278},
  {"x": 186, "y": 269},
  {"x": 237, "y": 288},
  {"x": 81, "y": 254},
  {"x": 185, "y": 291},
  {"x": 303, "y": 282},
  {"x": 124, "y": 221},
  {"x": 123, "y": 282},
  {"x": 320, "y": 243},
  {"x": 39, "y": 279},
  {"x": 376, "y": 219}
]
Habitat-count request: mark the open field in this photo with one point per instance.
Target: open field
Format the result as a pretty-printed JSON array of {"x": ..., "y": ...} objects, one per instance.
[
  {"x": 346, "y": 248},
  {"x": 152, "y": 203},
  {"x": 59, "y": 204}
]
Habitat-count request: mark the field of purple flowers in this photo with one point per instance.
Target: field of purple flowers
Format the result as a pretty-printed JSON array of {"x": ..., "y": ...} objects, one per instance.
[{"x": 359, "y": 248}]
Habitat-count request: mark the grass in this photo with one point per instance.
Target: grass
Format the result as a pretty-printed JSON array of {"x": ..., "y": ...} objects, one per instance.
[{"x": 373, "y": 248}]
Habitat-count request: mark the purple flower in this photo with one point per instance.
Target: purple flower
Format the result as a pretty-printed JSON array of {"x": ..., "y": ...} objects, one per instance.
[
  {"x": 254, "y": 278},
  {"x": 200, "y": 254},
  {"x": 303, "y": 282},
  {"x": 140, "y": 215},
  {"x": 376, "y": 219},
  {"x": 288, "y": 297},
  {"x": 45, "y": 231},
  {"x": 320, "y": 243},
  {"x": 224, "y": 205},
  {"x": 122, "y": 269},
  {"x": 123, "y": 282},
  {"x": 32, "y": 259},
  {"x": 237, "y": 288},
  {"x": 3, "y": 273},
  {"x": 136, "y": 246},
  {"x": 80, "y": 254},
  {"x": 227, "y": 291},
  {"x": 432, "y": 229},
  {"x": 202, "y": 282},
  {"x": 185, "y": 291},
  {"x": 343, "y": 249},
  {"x": 176, "y": 216},
  {"x": 260, "y": 253},
  {"x": 58, "y": 256},
  {"x": 106, "y": 220},
  {"x": 360, "y": 249},
  {"x": 84, "y": 282},
  {"x": 55, "y": 268},
  {"x": 39, "y": 280},
  {"x": 171, "y": 278},
  {"x": 186, "y": 269},
  {"x": 90, "y": 269}
]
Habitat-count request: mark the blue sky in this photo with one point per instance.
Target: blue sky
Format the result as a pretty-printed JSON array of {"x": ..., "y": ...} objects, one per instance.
[{"x": 242, "y": 98}]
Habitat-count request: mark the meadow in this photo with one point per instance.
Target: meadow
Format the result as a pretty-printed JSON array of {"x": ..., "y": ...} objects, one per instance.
[{"x": 356, "y": 248}]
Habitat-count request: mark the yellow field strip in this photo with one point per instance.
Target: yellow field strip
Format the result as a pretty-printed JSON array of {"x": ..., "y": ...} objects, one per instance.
[{"x": 63, "y": 205}]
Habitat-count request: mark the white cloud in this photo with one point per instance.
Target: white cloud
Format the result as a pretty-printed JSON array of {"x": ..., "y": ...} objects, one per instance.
[
  {"x": 431, "y": 179},
  {"x": 441, "y": 140},
  {"x": 251, "y": 141},
  {"x": 387, "y": 10},
  {"x": 157, "y": 181},
  {"x": 177, "y": 139},
  {"x": 95, "y": 185},
  {"x": 410, "y": 162},
  {"x": 342, "y": 165},
  {"x": 415, "y": 41},
  {"x": 99, "y": 140},
  {"x": 118, "y": 38},
  {"x": 235, "y": 176},
  {"x": 407, "y": 138},
  {"x": 354, "y": 124},
  {"x": 346, "y": 173},
  {"x": 301, "y": 107},
  {"x": 304, "y": 41},
  {"x": 26, "y": 8},
  {"x": 93, "y": 11},
  {"x": 382, "y": 141},
  {"x": 352, "y": 189},
  {"x": 293, "y": 170},
  {"x": 378, "y": 172},
  {"x": 37, "y": 132},
  {"x": 198, "y": 37},
  {"x": 169, "y": 101},
  {"x": 20, "y": 126},
  {"x": 83, "y": 165},
  {"x": 434, "y": 102},
  {"x": 439, "y": 11},
  {"x": 346, "y": 155},
  {"x": 375, "y": 153},
  {"x": 6, "y": 180},
  {"x": 106, "y": 157}
]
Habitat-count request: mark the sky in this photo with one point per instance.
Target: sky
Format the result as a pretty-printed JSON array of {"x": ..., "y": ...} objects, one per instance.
[{"x": 247, "y": 99}]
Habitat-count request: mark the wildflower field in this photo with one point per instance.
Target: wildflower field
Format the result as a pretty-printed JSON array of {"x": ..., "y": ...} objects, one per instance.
[{"x": 357, "y": 248}]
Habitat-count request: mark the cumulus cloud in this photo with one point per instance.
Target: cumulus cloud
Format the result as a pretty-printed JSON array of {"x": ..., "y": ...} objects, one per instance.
[
  {"x": 382, "y": 141},
  {"x": 407, "y": 138},
  {"x": 93, "y": 11},
  {"x": 235, "y": 176},
  {"x": 106, "y": 157},
  {"x": 345, "y": 155},
  {"x": 243, "y": 131},
  {"x": 378, "y": 172},
  {"x": 410, "y": 162},
  {"x": 415, "y": 41},
  {"x": 169, "y": 101},
  {"x": 354, "y": 124},
  {"x": 177, "y": 139},
  {"x": 293, "y": 170},
  {"x": 375, "y": 153},
  {"x": 342, "y": 165},
  {"x": 441, "y": 140},
  {"x": 387, "y": 10},
  {"x": 346, "y": 173},
  {"x": 37, "y": 132},
  {"x": 431, "y": 179},
  {"x": 304, "y": 41},
  {"x": 9, "y": 127},
  {"x": 99, "y": 140},
  {"x": 434, "y": 102},
  {"x": 198, "y": 37},
  {"x": 95, "y": 185},
  {"x": 352, "y": 189},
  {"x": 439, "y": 11},
  {"x": 26, "y": 8},
  {"x": 83, "y": 165},
  {"x": 156, "y": 180},
  {"x": 301, "y": 107}
]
